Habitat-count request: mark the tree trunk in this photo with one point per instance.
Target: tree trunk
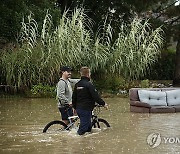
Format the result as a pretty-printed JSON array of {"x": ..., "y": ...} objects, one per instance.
[{"x": 176, "y": 80}]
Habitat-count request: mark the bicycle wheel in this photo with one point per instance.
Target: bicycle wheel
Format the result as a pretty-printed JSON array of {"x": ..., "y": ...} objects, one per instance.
[
  {"x": 100, "y": 123},
  {"x": 55, "y": 126}
]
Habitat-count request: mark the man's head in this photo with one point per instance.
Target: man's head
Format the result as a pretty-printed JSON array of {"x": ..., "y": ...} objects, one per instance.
[
  {"x": 85, "y": 71},
  {"x": 66, "y": 72}
]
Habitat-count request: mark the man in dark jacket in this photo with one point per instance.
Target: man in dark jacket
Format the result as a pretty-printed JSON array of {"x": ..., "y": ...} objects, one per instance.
[{"x": 83, "y": 99}]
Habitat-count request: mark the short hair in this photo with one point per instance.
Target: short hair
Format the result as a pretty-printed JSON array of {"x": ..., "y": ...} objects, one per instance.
[
  {"x": 65, "y": 68},
  {"x": 84, "y": 71}
]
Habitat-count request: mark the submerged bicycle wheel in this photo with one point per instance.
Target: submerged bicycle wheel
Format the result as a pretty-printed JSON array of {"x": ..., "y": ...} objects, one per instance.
[
  {"x": 55, "y": 126},
  {"x": 100, "y": 123}
]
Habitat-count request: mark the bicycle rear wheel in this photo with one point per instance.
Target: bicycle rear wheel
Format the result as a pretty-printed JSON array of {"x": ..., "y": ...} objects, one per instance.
[
  {"x": 100, "y": 123},
  {"x": 55, "y": 126}
]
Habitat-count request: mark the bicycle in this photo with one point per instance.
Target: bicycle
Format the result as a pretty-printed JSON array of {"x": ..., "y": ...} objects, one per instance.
[{"x": 58, "y": 125}]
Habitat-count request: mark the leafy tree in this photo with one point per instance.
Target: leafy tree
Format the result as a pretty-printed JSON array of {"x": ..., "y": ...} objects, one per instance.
[
  {"x": 12, "y": 13},
  {"x": 167, "y": 13}
]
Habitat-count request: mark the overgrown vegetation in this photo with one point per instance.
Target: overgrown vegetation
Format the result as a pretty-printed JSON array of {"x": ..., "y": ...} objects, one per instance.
[
  {"x": 42, "y": 91},
  {"x": 164, "y": 68},
  {"x": 39, "y": 56}
]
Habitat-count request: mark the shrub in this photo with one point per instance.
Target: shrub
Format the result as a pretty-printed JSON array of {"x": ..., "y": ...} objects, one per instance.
[{"x": 43, "y": 91}]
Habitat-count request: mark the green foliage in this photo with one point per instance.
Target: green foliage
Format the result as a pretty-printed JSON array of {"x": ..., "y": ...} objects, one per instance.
[
  {"x": 145, "y": 83},
  {"x": 43, "y": 91},
  {"x": 163, "y": 68},
  {"x": 41, "y": 54},
  {"x": 12, "y": 12},
  {"x": 108, "y": 82},
  {"x": 118, "y": 11},
  {"x": 136, "y": 49},
  {"x": 111, "y": 83},
  {"x": 160, "y": 12}
]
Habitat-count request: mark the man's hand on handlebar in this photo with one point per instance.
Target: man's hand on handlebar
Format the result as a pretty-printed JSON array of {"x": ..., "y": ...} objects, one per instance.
[{"x": 106, "y": 106}]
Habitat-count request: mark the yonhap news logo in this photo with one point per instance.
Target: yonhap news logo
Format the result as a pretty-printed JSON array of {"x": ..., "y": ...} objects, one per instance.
[{"x": 155, "y": 139}]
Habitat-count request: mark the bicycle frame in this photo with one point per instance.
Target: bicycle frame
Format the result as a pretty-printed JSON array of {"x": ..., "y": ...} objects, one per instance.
[
  {"x": 96, "y": 122},
  {"x": 73, "y": 119}
]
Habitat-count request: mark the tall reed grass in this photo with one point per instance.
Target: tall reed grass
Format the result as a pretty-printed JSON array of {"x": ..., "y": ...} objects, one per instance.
[
  {"x": 136, "y": 49},
  {"x": 41, "y": 54}
]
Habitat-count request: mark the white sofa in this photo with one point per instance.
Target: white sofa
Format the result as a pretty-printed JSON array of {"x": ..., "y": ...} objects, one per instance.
[{"x": 154, "y": 100}]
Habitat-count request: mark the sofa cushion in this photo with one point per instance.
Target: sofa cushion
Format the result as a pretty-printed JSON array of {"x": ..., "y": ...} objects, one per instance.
[
  {"x": 173, "y": 97},
  {"x": 153, "y": 97},
  {"x": 133, "y": 92}
]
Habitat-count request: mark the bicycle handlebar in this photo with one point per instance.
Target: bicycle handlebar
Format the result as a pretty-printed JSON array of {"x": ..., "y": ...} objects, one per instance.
[{"x": 98, "y": 105}]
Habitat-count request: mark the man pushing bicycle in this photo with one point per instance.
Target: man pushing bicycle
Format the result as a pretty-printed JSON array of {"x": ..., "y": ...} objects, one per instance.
[{"x": 83, "y": 100}]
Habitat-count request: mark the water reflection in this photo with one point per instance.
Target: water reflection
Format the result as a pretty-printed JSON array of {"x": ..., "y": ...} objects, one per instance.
[{"x": 22, "y": 122}]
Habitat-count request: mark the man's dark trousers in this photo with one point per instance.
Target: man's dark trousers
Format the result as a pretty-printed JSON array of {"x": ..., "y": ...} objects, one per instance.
[{"x": 85, "y": 121}]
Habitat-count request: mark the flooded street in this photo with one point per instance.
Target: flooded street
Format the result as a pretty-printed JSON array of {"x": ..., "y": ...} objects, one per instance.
[{"x": 22, "y": 122}]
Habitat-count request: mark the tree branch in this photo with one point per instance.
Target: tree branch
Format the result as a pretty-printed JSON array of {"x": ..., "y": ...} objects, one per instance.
[
  {"x": 162, "y": 10},
  {"x": 167, "y": 7},
  {"x": 174, "y": 20}
]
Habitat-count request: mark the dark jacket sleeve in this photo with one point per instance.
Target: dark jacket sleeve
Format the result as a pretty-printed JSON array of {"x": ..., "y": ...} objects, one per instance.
[
  {"x": 74, "y": 97},
  {"x": 95, "y": 94}
]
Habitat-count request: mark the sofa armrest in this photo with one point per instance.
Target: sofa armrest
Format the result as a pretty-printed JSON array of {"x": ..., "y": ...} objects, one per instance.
[{"x": 139, "y": 104}]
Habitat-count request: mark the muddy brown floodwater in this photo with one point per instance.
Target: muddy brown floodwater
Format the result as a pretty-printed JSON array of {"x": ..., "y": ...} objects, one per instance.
[{"x": 22, "y": 122}]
